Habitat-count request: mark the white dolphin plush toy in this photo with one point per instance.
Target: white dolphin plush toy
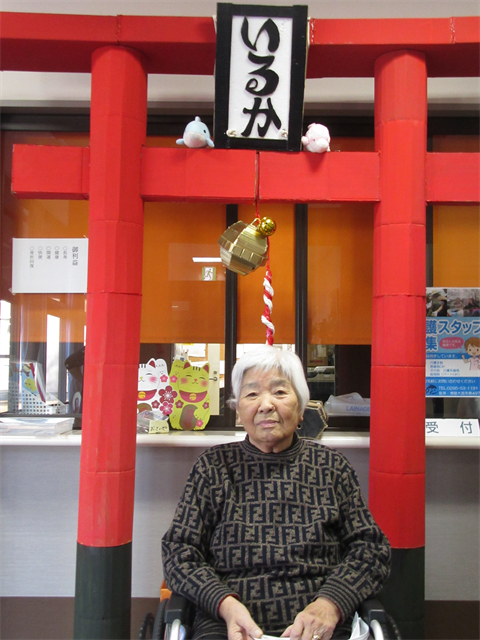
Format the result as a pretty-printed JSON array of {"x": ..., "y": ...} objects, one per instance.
[
  {"x": 196, "y": 135},
  {"x": 316, "y": 139}
]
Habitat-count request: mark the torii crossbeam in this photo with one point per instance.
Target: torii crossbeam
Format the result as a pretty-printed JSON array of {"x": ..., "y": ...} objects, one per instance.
[{"x": 118, "y": 173}]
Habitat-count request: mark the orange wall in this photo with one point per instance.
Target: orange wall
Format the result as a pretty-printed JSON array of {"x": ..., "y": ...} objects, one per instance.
[
  {"x": 456, "y": 229},
  {"x": 177, "y": 306},
  {"x": 250, "y": 288},
  {"x": 340, "y": 254}
]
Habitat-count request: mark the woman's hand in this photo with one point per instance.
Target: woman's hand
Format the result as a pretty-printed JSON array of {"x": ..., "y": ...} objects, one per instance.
[
  {"x": 316, "y": 622},
  {"x": 240, "y": 625}
]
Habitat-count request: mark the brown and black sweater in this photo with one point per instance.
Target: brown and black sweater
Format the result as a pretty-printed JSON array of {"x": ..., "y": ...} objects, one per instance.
[{"x": 276, "y": 530}]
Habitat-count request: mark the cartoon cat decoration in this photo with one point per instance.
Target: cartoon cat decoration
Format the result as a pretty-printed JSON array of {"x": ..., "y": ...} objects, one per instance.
[
  {"x": 154, "y": 391},
  {"x": 191, "y": 409}
]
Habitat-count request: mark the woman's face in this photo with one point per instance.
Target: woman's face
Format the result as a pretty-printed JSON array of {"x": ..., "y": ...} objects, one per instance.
[
  {"x": 473, "y": 350},
  {"x": 269, "y": 410}
]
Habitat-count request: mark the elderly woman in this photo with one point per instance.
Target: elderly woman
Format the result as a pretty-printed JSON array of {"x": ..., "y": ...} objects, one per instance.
[{"x": 272, "y": 534}]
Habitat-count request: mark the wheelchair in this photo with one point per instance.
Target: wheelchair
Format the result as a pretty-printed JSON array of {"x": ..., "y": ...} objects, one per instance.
[{"x": 175, "y": 615}]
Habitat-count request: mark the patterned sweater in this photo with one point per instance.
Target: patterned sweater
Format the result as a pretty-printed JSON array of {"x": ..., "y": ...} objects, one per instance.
[{"x": 276, "y": 530}]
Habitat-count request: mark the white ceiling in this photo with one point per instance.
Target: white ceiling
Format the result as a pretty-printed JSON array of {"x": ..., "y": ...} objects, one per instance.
[
  {"x": 190, "y": 93},
  {"x": 317, "y": 8}
]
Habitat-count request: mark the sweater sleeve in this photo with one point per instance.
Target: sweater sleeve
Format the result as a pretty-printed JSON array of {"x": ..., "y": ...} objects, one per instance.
[
  {"x": 366, "y": 553},
  {"x": 185, "y": 546}
]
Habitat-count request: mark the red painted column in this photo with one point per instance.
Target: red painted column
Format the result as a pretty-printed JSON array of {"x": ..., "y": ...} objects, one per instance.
[
  {"x": 397, "y": 449},
  {"x": 107, "y": 463}
]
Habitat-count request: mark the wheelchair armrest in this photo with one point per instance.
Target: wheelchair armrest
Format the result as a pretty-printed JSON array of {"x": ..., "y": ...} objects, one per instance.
[
  {"x": 178, "y": 607},
  {"x": 373, "y": 609}
]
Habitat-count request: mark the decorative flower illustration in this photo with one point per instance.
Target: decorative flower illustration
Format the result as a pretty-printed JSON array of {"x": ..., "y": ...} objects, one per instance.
[
  {"x": 173, "y": 379},
  {"x": 199, "y": 423},
  {"x": 155, "y": 404},
  {"x": 205, "y": 405},
  {"x": 166, "y": 408},
  {"x": 167, "y": 395},
  {"x": 164, "y": 378},
  {"x": 179, "y": 404}
]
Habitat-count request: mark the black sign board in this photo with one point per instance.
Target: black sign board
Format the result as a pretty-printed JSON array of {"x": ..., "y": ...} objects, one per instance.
[{"x": 260, "y": 76}]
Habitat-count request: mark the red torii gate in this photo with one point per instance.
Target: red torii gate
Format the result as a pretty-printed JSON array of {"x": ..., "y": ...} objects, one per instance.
[{"x": 118, "y": 173}]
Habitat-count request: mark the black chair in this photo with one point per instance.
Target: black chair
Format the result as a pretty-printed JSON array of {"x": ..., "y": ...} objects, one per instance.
[{"x": 175, "y": 615}]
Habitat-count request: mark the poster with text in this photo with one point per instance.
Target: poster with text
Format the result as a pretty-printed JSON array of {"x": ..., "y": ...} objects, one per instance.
[
  {"x": 49, "y": 265},
  {"x": 453, "y": 342}
]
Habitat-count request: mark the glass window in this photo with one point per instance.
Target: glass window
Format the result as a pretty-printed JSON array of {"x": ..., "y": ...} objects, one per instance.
[
  {"x": 340, "y": 255},
  {"x": 42, "y": 336},
  {"x": 43, "y": 328},
  {"x": 454, "y": 293},
  {"x": 183, "y": 303}
]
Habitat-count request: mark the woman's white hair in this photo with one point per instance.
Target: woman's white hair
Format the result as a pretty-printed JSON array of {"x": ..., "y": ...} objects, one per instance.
[{"x": 267, "y": 358}]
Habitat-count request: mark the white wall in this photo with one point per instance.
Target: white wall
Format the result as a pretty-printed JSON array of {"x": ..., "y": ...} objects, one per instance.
[
  {"x": 179, "y": 92},
  {"x": 39, "y": 502}
]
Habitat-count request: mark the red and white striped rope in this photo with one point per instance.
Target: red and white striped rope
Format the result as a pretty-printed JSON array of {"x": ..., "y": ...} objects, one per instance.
[
  {"x": 267, "y": 298},
  {"x": 267, "y": 289}
]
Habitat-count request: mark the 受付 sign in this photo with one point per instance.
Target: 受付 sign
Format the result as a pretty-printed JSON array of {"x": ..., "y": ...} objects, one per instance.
[
  {"x": 260, "y": 76},
  {"x": 467, "y": 428}
]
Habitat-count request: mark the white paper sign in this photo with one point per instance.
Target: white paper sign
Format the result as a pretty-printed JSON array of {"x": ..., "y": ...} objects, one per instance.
[
  {"x": 466, "y": 428},
  {"x": 260, "y": 63},
  {"x": 49, "y": 265},
  {"x": 273, "y": 108}
]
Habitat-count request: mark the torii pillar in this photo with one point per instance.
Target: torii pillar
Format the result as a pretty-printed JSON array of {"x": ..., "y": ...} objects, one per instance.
[
  {"x": 397, "y": 422},
  {"x": 107, "y": 462}
]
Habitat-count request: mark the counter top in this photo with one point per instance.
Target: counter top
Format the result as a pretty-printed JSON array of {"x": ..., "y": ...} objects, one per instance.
[{"x": 203, "y": 439}]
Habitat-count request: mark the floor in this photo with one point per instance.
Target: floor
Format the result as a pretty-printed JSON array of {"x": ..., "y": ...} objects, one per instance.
[{"x": 52, "y": 618}]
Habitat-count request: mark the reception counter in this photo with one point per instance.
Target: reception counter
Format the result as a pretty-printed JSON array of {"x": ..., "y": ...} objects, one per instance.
[{"x": 39, "y": 501}]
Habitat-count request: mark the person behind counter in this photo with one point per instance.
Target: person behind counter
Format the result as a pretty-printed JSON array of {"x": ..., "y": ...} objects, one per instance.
[
  {"x": 74, "y": 365},
  {"x": 272, "y": 534}
]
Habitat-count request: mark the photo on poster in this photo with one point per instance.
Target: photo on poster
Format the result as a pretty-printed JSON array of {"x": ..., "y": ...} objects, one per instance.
[{"x": 453, "y": 342}]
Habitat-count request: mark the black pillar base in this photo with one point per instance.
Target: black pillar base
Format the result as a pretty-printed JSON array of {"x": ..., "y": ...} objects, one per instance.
[
  {"x": 103, "y": 593},
  {"x": 404, "y": 594}
]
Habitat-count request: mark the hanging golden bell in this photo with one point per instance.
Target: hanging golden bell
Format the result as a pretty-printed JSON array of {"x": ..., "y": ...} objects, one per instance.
[{"x": 243, "y": 247}]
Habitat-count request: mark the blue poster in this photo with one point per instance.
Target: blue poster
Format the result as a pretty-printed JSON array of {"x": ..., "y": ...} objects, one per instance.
[{"x": 453, "y": 342}]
